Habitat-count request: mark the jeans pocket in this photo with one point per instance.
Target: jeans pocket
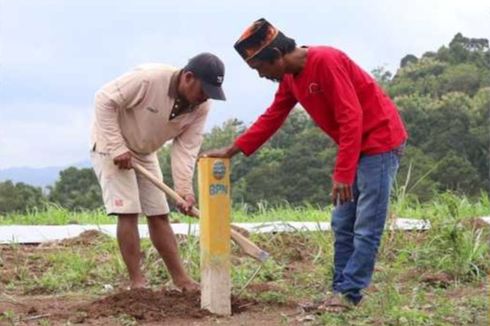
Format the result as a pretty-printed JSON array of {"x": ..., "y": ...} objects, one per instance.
[{"x": 394, "y": 164}]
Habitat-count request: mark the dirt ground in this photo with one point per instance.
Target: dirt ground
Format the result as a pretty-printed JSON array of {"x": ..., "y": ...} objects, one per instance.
[
  {"x": 145, "y": 306},
  {"x": 119, "y": 307},
  {"x": 33, "y": 305}
]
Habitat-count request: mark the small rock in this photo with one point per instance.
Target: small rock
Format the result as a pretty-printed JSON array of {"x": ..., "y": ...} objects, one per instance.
[
  {"x": 108, "y": 287},
  {"x": 302, "y": 319}
]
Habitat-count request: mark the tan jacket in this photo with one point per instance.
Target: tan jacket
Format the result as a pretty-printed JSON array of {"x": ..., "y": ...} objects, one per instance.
[{"x": 132, "y": 113}]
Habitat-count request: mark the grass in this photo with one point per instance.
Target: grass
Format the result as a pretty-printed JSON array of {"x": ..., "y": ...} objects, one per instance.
[
  {"x": 52, "y": 214},
  {"x": 441, "y": 207}
]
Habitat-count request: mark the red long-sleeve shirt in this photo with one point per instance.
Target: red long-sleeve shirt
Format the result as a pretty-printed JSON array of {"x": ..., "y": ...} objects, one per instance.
[{"x": 343, "y": 100}]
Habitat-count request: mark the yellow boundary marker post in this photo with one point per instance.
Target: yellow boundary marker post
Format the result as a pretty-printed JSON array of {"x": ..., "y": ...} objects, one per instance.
[{"x": 214, "y": 204}]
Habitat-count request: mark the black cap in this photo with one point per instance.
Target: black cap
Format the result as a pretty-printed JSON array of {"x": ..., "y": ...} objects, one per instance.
[{"x": 211, "y": 71}]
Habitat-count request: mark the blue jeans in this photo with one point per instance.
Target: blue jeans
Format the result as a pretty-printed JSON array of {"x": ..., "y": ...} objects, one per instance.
[{"x": 358, "y": 225}]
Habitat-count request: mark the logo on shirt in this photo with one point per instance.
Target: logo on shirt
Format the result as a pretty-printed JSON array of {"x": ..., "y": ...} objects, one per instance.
[
  {"x": 149, "y": 108},
  {"x": 314, "y": 88}
]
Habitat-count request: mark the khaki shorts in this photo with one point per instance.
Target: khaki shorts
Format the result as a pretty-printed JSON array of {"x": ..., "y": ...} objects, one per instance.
[{"x": 127, "y": 192}]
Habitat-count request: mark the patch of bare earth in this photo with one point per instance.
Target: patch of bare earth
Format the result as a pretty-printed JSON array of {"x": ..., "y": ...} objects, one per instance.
[
  {"x": 476, "y": 223},
  {"x": 145, "y": 306},
  {"x": 440, "y": 279},
  {"x": 148, "y": 305},
  {"x": 166, "y": 307},
  {"x": 17, "y": 261},
  {"x": 20, "y": 261},
  {"x": 86, "y": 238}
]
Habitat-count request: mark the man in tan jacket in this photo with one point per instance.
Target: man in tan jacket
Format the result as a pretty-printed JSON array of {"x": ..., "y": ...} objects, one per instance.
[{"x": 134, "y": 116}]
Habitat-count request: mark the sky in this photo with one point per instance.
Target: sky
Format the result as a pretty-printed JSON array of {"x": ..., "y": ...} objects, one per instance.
[{"x": 54, "y": 55}]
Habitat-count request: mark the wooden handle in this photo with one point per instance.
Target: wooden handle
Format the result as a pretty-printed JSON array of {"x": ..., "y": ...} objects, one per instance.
[{"x": 247, "y": 246}]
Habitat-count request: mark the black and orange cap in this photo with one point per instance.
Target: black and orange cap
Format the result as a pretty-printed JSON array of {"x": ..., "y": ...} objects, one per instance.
[{"x": 256, "y": 38}]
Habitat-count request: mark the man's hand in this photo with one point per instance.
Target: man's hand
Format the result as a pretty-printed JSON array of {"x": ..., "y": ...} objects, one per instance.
[
  {"x": 185, "y": 207},
  {"x": 224, "y": 152},
  {"x": 341, "y": 193},
  {"x": 123, "y": 161}
]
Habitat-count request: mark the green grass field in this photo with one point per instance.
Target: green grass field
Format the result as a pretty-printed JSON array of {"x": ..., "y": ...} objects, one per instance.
[{"x": 442, "y": 207}]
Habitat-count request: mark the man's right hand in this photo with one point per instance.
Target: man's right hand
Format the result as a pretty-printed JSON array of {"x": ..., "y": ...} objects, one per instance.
[
  {"x": 186, "y": 205},
  {"x": 341, "y": 193},
  {"x": 123, "y": 161},
  {"x": 224, "y": 152}
]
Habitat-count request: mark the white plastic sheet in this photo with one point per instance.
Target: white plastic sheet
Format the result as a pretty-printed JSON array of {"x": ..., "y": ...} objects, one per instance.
[{"x": 44, "y": 233}]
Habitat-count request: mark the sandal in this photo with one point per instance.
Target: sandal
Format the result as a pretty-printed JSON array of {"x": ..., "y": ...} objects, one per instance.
[{"x": 335, "y": 303}]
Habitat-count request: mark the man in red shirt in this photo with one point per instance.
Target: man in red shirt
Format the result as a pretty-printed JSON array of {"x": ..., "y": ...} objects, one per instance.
[{"x": 349, "y": 106}]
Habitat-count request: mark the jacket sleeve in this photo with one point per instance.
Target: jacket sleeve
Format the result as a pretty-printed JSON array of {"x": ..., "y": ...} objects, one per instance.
[
  {"x": 269, "y": 122},
  {"x": 122, "y": 93},
  {"x": 185, "y": 148},
  {"x": 348, "y": 115}
]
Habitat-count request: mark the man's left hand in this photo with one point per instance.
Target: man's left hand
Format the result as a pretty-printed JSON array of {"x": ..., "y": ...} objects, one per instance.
[
  {"x": 185, "y": 207},
  {"x": 341, "y": 193}
]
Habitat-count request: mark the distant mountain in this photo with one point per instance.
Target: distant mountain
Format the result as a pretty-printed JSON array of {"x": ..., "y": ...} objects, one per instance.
[{"x": 39, "y": 177}]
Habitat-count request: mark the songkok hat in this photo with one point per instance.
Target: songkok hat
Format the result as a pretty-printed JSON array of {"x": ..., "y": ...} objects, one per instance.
[{"x": 256, "y": 38}]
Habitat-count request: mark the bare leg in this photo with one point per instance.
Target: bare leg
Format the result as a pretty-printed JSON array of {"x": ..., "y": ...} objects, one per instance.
[
  {"x": 129, "y": 244},
  {"x": 163, "y": 238}
]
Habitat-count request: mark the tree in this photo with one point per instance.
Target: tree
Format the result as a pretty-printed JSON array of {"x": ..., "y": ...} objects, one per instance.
[
  {"x": 222, "y": 136},
  {"x": 415, "y": 112},
  {"x": 382, "y": 76},
  {"x": 408, "y": 59},
  {"x": 449, "y": 122},
  {"x": 456, "y": 173},
  {"x": 469, "y": 44},
  {"x": 480, "y": 130},
  {"x": 76, "y": 189},
  {"x": 415, "y": 174},
  {"x": 421, "y": 77},
  {"x": 19, "y": 197},
  {"x": 460, "y": 78}
]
